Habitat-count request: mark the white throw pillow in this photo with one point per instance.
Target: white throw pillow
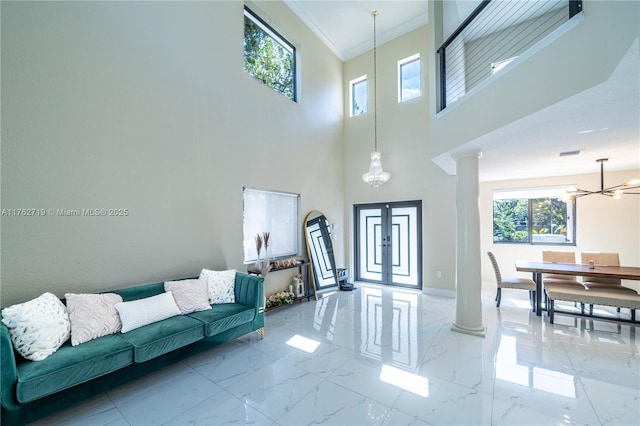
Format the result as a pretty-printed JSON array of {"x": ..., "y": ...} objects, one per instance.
[
  {"x": 138, "y": 313},
  {"x": 190, "y": 295},
  {"x": 92, "y": 316},
  {"x": 221, "y": 284},
  {"x": 37, "y": 327}
]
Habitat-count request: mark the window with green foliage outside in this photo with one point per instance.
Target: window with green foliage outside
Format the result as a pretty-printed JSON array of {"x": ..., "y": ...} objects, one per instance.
[
  {"x": 533, "y": 216},
  {"x": 268, "y": 57}
]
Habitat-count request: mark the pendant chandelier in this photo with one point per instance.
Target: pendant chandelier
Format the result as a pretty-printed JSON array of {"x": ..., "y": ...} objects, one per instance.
[
  {"x": 631, "y": 187},
  {"x": 375, "y": 176}
]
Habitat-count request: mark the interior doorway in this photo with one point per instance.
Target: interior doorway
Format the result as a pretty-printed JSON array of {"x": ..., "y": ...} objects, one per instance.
[{"x": 388, "y": 243}]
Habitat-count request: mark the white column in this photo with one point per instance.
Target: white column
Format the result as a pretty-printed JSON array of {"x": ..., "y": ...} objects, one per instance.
[{"x": 468, "y": 274}]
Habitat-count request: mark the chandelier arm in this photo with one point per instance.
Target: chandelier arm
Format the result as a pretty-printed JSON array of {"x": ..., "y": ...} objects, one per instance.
[
  {"x": 622, "y": 186},
  {"x": 613, "y": 191}
]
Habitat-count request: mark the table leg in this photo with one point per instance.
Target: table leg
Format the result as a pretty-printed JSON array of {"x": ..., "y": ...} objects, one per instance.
[{"x": 537, "y": 277}]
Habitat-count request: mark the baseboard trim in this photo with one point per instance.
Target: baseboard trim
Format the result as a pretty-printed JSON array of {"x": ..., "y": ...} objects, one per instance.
[{"x": 451, "y": 294}]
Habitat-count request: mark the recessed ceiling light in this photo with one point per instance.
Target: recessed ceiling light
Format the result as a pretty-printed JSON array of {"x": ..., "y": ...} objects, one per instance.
[
  {"x": 584, "y": 132},
  {"x": 568, "y": 153}
]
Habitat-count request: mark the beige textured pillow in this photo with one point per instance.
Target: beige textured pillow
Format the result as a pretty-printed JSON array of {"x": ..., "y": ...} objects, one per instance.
[
  {"x": 190, "y": 295},
  {"x": 221, "y": 285},
  {"x": 38, "y": 327},
  {"x": 92, "y": 316}
]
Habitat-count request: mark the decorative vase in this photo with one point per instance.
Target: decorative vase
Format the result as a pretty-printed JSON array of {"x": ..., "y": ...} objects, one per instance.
[
  {"x": 258, "y": 265},
  {"x": 299, "y": 287}
]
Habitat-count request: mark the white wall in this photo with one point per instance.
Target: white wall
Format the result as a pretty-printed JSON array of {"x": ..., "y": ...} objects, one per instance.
[
  {"x": 403, "y": 142},
  {"x": 603, "y": 224},
  {"x": 144, "y": 106},
  {"x": 563, "y": 68}
]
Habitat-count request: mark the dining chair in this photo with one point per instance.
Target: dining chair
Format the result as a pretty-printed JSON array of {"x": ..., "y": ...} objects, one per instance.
[
  {"x": 601, "y": 258},
  {"x": 593, "y": 283},
  {"x": 512, "y": 282},
  {"x": 560, "y": 257}
]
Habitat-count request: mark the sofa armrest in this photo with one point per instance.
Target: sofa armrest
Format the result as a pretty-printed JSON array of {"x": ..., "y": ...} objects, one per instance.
[
  {"x": 249, "y": 290},
  {"x": 9, "y": 371}
]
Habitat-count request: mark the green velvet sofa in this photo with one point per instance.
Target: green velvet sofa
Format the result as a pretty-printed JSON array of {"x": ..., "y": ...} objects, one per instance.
[{"x": 32, "y": 390}]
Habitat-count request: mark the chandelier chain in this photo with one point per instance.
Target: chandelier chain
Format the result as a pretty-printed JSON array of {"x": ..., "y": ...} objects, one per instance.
[
  {"x": 375, "y": 84},
  {"x": 376, "y": 176}
]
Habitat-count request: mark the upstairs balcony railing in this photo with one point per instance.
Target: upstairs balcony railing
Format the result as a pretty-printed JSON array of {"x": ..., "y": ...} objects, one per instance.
[{"x": 496, "y": 33}]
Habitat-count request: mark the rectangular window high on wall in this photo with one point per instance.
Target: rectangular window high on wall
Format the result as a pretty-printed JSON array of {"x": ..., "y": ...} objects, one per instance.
[
  {"x": 274, "y": 212},
  {"x": 409, "y": 86},
  {"x": 534, "y": 216},
  {"x": 268, "y": 56},
  {"x": 358, "y": 96}
]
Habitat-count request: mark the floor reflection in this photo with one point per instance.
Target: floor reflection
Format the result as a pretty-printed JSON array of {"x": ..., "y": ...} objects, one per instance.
[
  {"x": 389, "y": 326},
  {"x": 512, "y": 368}
]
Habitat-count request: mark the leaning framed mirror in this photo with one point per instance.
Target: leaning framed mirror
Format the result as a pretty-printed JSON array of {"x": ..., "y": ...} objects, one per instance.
[{"x": 324, "y": 276}]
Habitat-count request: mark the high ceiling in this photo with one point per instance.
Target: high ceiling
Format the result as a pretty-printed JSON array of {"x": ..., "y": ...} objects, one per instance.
[
  {"x": 602, "y": 122},
  {"x": 346, "y": 27}
]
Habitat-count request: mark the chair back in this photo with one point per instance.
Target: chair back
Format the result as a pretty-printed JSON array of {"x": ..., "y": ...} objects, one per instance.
[
  {"x": 496, "y": 269},
  {"x": 601, "y": 258},
  {"x": 559, "y": 257}
]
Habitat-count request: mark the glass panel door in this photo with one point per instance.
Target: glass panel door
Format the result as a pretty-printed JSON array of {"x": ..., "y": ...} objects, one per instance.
[
  {"x": 370, "y": 244},
  {"x": 388, "y": 243},
  {"x": 404, "y": 246}
]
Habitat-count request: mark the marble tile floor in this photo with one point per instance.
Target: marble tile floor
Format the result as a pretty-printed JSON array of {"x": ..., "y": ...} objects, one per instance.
[{"x": 387, "y": 356}]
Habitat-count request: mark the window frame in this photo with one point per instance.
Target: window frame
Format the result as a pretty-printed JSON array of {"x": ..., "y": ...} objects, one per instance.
[
  {"x": 249, "y": 232},
  {"x": 532, "y": 194},
  {"x": 278, "y": 38},
  {"x": 401, "y": 63},
  {"x": 352, "y": 98}
]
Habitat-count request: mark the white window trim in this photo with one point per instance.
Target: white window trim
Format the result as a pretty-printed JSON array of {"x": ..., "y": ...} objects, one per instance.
[
  {"x": 558, "y": 192},
  {"x": 402, "y": 62},
  {"x": 351, "y": 84}
]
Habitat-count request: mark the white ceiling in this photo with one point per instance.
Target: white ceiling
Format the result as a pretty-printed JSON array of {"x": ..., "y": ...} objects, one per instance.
[
  {"x": 602, "y": 122},
  {"x": 346, "y": 27}
]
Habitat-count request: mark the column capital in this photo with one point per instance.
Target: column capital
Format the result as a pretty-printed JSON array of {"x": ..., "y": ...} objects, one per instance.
[{"x": 477, "y": 153}]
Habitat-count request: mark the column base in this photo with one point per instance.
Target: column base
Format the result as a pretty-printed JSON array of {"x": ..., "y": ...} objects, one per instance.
[{"x": 474, "y": 331}]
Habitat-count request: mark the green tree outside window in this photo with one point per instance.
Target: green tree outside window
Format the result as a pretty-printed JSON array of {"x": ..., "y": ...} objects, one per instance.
[
  {"x": 533, "y": 221},
  {"x": 268, "y": 57}
]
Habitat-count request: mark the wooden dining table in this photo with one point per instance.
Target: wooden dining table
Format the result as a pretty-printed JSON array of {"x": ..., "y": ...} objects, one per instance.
[{"x": 573, "y": 269}]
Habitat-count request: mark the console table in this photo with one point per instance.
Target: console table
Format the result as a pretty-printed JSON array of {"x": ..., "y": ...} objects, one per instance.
[{"x": 304, "y": 271}]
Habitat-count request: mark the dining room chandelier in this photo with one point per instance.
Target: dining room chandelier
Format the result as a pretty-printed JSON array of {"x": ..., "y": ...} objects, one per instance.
[
  {"x": 375, "y": 176},
  {"x": 616, "y": 191}
]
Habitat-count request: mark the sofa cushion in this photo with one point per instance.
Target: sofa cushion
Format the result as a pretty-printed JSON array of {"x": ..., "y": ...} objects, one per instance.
[
  {"x": 72, "y": 365},
  {"x": 140, "y": 291},
  {"x": 139, "y": 313},
  {"x": 164, "y": 336},
  {"x": 92, "y": 316},
  {"x": 190, "y": 295},
  {"x": 37, "y": 327},
  {"x": 224, "y": 316},
  {"x": 221, "y": 285}
]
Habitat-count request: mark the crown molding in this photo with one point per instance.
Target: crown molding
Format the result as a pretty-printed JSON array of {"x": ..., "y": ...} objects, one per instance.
[
  {"x": 387, "y": 36},
  {"x": 346, "y": 55}
]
